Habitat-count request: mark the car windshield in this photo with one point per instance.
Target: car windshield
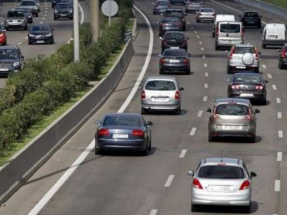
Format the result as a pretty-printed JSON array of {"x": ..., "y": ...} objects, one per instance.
[
  {"x": 28, "y": 3},
  {"x": 248, "y": 79},
  {"x": 207, "y": 10},
  {"x": 243, "y": 50},
  {"x": 160, "y": 85},
  {"x": 170, "y": 19},
  {"x": 63, "y": 6},
  {"x": 122, "y": 121},
  {"x": 195, "y": 1},
  {"x": 174, "y": 52},
  {"x": 232, "y": 109},
  {"x": 171, "y": 36},
  {"x": 178, "y": 14},
  {"x": 162, "y": 3},
  {"x": 221, "y": 172},
  {"x": 15, "y": 14},
  {"x": 40, "y": 28},
  {"x": 251, "y": 14},
  {"x": 8, "y": 54},
  {"x": 230, "y": 28}
]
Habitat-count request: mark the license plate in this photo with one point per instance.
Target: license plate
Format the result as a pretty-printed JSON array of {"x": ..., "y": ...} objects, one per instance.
[
  {"x": 174, "y": 61},
  {"x": 4, "y": 69},
  {"x": 119, "y": 136},
  {"x": 40, "y": 41},
  {"x": 174, "y": 47},
  {"x": 160, "y": 99},
  {"x": 231, "y": 127},
  {"x": 246, "y": 95},
  {"x": 241, "y": 67},
  {"x": 63, "y": 14},
  {"x": 219, "y": 188}
]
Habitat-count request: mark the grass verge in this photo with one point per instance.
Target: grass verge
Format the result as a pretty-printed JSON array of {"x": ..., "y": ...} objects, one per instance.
[{"x": 279, "y": 3}]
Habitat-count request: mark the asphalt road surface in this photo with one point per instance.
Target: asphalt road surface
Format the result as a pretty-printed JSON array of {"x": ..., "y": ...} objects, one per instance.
[{"x": 127, "y": 184}]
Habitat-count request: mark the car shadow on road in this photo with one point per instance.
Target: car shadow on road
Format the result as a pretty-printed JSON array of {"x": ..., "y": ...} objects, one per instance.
[
  {"x": 239, "y": 140},
  {"x": 128, "y": 153}
]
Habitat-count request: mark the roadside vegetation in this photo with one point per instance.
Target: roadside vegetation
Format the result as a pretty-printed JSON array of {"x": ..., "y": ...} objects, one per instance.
[
  {"x": 47, "y": 87},
  {"x": 279, "y": 3}
]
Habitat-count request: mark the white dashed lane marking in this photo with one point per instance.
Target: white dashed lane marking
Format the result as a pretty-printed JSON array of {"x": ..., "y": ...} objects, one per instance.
[
  {"x": 205, "y": 65},
  {"x": 19, "y": 43},
  {"x": 264, "y": 66},
  {"x": 205, "y": 98},
  {"x": 192, "y": 132},
  {"x": 277, "y": 185},
  {"x": 169, "y": 181},
  {"x": 206, "y": 85},
  {"x": 274, "y": 87},
  {"x": 200, "y": 42},
  {"x": 269, "y": 76},
  {"x": 200, "y": 113},
  {"x": 202, "y": 49},
  {"x": 206, "y": 74},
  {"x": 183, "y": 153},
  {"x": 153, "y": 212},
  {"x": 197, "y": 36},
  {"x": 195, "y": 32},
  {"x": 279, "y": 115},
  {"x": 280, "y": 134},
  {"x": 278, "y": 100},
  {"x": 279, "y": 156}
]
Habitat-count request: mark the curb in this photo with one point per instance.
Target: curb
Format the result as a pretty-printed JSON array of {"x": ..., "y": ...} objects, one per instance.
[{"x": 30, "y": 158}]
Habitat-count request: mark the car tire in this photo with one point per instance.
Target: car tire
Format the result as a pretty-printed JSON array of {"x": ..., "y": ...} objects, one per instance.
[
  {"x": 29, "y": 42},
  {"x": 210, "y": 138},
  {"x": 228, "y": 70},
  {"x": 72, "y": 18},
  {"x": 143, "y": 111},
  {"x": 213, "y": 34},
  {"x": 55, "y": 18},
  {"x": 37, "y": 14},
  {"x": 247, "y": 209},
  {"x": 197, "y": 21},
  {"x": 178, "y": 111},
  {"x": 187, "y": 72},
  {"x": 194, "y": 208},
  {"x": 184, "y": 28},
  {"x": 264, "y": 101},
  {"x": 216, "y": 47},
  {"x": 52, "y": 42},
  {"x": 280, "y": 66},
  {"x": 253, "y": 139},
  {"x": 97, "y": 151},
  {"x": 145, "y": 151},
  {"x": 149, "y": 146},
  {"x": 263, "y": 46},
  {"x": 25, "y": 28},
  {"x": 161, "y": 71}
]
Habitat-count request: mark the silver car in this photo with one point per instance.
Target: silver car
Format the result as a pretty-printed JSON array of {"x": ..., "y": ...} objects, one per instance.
[
  {"x": 15, "y": 19},
  {"x": 205, "y": 15},
  {"x": 221, "y": 181},
  {"x": 161, "y": 93},
  {"x": 232, "y": 117},
  {"x": 243, "y": 57},
  {"x": 193, "y": 5}
]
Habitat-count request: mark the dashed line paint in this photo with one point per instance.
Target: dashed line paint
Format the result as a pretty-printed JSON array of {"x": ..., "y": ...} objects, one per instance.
[
  {"x": 205, "y": 65},
  {"x": 279, "y": 115},
  {"x": 279, "y": 156},
  {"x": 198, "y": 36},
  {"x": 274, "y": 87},
  {"x": 153, "y": 212},
  {"x": 280, "y": 134},
  {"x": 202, "y": 49},
  {"x": 169, "y": 181},
  {"x": 264, "y": 66},
  {"x": 200, "y": 42},
  {"x": 192, "y": 132},
  {"x": 269, "y": 76},
  {"x": 183, "y": 153},
  {"x": 195, "y": 32},
  {"x": 205, "y": 98},
  {"x": 206, "y": 85},
  {"x": 278, "y": 100},
  {"x": 206, "y": 74},
  {"x": 200, "y": 113},
  {"x": 26, "y": 37},
  {"x": 277, "y": 185},
  {"x": 19, "y": 43}
]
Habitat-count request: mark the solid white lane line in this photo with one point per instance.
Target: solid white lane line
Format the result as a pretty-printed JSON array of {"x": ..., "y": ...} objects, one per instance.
[
  {"x": 82, "y": 13},
  {"x": 205, "y": 98},
  {"x": 192, "y": 132},
  {"x": 269, "y": 76},
  {"x": 206, "y": 74},
  {"x": 274, "y": 87},
  {"x": 279, "y": 156},
  {"x": 46, "y": 198},
  {"x": 169, "y": 181},
  {"x": 203, "y": 56},
  {"x": 183, "y": 153},
  {"x": 264, "y": 66},
  {"x": 200, "y": 42},
  {"x": 279, "y": 115},
  {"x": 206, "y": 85},
  {"x": 278, "y": 100},
  {"x": 153, "y": 212},
  {"x": 277, "y": 185},
  {"x": 200, "y": 113},
  {"x": 280, "y": 134},
  {"x": 205, "y": 65},
  {"x": 202, "y": 49}
]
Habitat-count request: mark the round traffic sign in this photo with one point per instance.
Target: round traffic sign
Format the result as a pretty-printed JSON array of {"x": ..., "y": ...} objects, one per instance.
[{"x": 110, "y": 8}]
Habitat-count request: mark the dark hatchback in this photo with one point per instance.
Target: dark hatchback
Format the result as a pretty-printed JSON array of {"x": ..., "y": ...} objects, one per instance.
[
  {"x": 282, "y": 61},
  {"x": 63, "y": 10},
  {"x": 250, "y": 18},
  {"x": 40, "y": 33},
  {"x": 174, "y": 60},
  {"x": 160, "y": 7},
  {"x": 11, "y": 60},
  {"x": 55, "y": 2},
  {"x": 27, "y": 12},
  {"x": 123, "y": 131},
  {"x": 174, "y": 40},
  {"x": 178, "y": 13},
  {"x": 169, "y": 24},
  {"x": 250, "y": 86}
]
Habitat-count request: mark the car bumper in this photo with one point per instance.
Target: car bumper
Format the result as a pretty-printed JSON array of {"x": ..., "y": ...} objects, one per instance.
[
  {"x": 117, "y": 144},
  {"x": 205, "y": 18},
  {"x": 63, "y": 15},
  {"x": 251, "y": 23},
  {"x": 174, "y": 67},
  {"x": 160, "y": 106},
  {"x": 158, "y": 11},
  {"x": 6, "y": 71},
  {"x": 41, "y": 40},
  {"x": 193, "y": 8},
  {"x": 260, "y": 96},
  {"x": 228, "y": 43},
  {"x": 15, "y": 25},
  {"x": 173, "y": 47},
  {"x": 274, "y": 42},
  {"x": 243, "y": 67}
]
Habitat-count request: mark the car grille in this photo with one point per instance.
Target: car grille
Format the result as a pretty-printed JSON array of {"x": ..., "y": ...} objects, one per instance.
[{"x": 5, "y": 65}]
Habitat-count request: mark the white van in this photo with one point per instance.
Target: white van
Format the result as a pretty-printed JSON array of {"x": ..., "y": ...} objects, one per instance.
[
  {"x": 229, "y": 34},
  {"x": 274, "y": 34},
  {"x": 221, "y": 18}
]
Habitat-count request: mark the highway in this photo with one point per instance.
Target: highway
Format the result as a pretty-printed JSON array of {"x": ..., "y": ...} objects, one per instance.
[{"x": 127, "y": 184}]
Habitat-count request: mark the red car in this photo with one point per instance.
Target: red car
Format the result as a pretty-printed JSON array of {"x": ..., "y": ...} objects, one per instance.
[{"x": 3, "y": 36}]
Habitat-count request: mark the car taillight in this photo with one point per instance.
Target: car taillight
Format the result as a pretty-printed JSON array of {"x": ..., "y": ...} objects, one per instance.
[
  {"x": 245, "y": 185},
  {"x": 143, "y": 95},
  {"x": 185, "y": 61},
  {"x": 196, "y": 184},
  {"x": 259, "y": 87},
  {"x": 214, "y": 14},
  {"x": 283, "y": 53},
  {"x": 177, "y": 95},
  {"x": 164, "y": 42},
  {"x": 103, "y": 132},
  {"x": 164, "y": 24},
  {"x": 242, "y": 32},
  {"x": 214, "y": 116},
  {"x": 248, "y": 117},
  {"x": 138, "y": 133},
  {"x": 231, "y": 53},
  {"x": 2, "y": 34},
  {"x": 199, "y": 14},
  {"x": 235, "y": 87},
  {"x": 217, "y": 30},
  {"x": 162, "y": 60},
  {"x": 256, "y": 54},
  {"x": 184, "y": 42}
]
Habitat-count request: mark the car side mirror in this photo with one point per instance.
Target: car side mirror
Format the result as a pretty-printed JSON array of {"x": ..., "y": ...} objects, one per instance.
[
  {"x": 187, "y": 38},
  {"x": 53, "y": 29},
  {"x": 227, "y": 80},
  {"x": 266, "y": 81},
  {"x": 22, "y": 56},
  {"x": 208, "y": 110},
  {"x": 140, "y": 87},
  {"x": 259, "y": 52},
  {"x": 98, "y": 122},
  {"x": 239, "y": 15},
  {"x": 257, "y": 111},
  {"x": 159, "y": 55},
  {"x": 149, "y": 123},
  {"x": 190, "y": 173},
  {"x": 161, "y": 38},
  {"x": 253, "y": 174},
  {"x": 181, "y": 89}
]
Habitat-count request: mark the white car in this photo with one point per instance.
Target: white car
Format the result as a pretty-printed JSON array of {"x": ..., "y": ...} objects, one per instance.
[{"x": 205, "y": 15}]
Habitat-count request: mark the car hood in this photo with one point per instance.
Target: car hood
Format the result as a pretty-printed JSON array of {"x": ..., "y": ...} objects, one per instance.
[
  {"x": 30, "y": 7},
  {"x": 8, "y": 60},
  {"x": 40, "y": 32}
]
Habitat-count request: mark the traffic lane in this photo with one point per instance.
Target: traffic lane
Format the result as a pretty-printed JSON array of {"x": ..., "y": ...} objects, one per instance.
[{"x": 39, "y": 184}]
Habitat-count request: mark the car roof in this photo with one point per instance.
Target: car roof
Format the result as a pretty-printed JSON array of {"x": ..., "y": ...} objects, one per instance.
[
  {"x": 247, "y": 74},
  {"x": 161, "y": 78},
  {"x": 174, "y": 32},
  {"x": 174, "y": 9},
  {"x": 246, "y": 45},
  {"x": 232, "y": 100},
  {"x": 40, "y": 24},
  {"x": 230, "y": 22},
  {"x": 247, "y": 11},
  {"x": 220, "y": 160},
  {"x": 123, "y": 114}
]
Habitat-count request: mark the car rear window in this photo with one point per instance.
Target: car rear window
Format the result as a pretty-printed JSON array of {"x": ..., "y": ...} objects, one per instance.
[
  {"x": 162, "y": 3},
  {"x": 28, "y": 3},
  {"x": 230, "y": 28},
  {"x": 174, "y": 52},
  {"x": 232, "y": 109},
  {"x": 206, "y": 10},
  {"x": 251, "y": 14},
  {"x": 160, "y": 85},
  {"x": 171, "y": 36},
  {"x": 178, "y": 14},
  {"x": 121, "y": 121},
  {"x": 221, "y": 172},
  {"x": 243, "y": 50},
  {"x": 170, "y": 19},
  {"x": 248, "y": 79}
]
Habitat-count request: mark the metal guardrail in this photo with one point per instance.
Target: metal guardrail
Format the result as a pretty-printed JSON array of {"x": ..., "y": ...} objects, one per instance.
[{"x": 265, "y": 6}]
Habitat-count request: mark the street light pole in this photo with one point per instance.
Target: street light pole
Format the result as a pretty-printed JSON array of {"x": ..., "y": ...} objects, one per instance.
[{"x": 76, "y": 32}]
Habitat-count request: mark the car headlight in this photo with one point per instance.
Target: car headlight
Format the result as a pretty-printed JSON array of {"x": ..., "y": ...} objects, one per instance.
[
  {"x": 70, "y": 11},
  {"x": 31, "y": 35},
  {"x": 56, "y": 11},
  {"x": 48, "y": 35},
  {"x": 16, "y": 63}
]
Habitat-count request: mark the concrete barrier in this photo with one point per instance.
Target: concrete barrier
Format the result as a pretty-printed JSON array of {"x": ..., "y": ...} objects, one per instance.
[
  {"x": 22, "y": 165},
  {"x": 265, "y": 6}
]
